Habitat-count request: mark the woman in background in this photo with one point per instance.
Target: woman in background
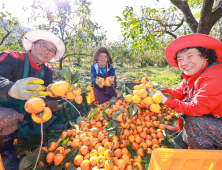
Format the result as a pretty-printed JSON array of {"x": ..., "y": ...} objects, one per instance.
[{"x": 103, "y": 68}]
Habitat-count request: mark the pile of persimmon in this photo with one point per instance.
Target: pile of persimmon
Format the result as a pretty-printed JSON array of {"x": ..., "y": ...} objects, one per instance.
[
  {"x": 63, "y": 89},
  {"x": 35, "y": 106},
  {"x": 105, "y": 82},
  {"x": 97, "y": 151},
  {"x": 141, "y": 94}
]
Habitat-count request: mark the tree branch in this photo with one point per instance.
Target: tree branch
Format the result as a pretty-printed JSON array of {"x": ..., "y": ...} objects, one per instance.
[
  {"x": 179, "y": 25},
  {"x": 188, "y": 16},
  {"x": 3, "y": 39},
  {"x": 216, "y": 15},
  {"x": 172, "y": 34}
]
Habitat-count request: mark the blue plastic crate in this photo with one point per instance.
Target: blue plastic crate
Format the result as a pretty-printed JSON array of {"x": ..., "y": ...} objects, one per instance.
[{"x": 67, "y": 112}]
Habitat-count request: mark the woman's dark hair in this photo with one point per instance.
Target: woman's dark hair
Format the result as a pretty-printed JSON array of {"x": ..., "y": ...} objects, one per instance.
[
  {"x": 103, "y": 50},
  {"x": 209, "y": 53}
]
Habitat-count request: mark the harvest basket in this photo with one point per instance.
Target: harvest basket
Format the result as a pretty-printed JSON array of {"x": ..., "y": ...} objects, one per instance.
[
  {"x": 185, "y": 159},
  {"x": 67, "y": 112},
  {"x": 130, "y": 86}
]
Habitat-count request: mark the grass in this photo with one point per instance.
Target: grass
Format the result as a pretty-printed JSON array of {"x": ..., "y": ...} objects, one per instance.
[{"x": 166, "y": 77}]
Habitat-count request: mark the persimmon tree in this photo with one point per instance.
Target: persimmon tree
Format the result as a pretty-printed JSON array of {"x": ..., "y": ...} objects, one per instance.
[
  {"x": 209, "y": 14},
  {"x": 70, "y": 21},
  {"x": 10, "y": 31},
  {"x": 144, "y": 32},
  {"x": 119, "y": 51}
]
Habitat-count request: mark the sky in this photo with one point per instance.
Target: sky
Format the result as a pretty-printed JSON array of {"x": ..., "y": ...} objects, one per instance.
[{"x": 103, "y": 12}]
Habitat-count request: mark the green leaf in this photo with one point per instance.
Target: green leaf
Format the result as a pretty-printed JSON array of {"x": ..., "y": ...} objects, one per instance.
[
  {"x": 105, "y": 115},
  {"x": 136, "y": 24},
  {"x": 79, "y": 119},
  {"x": 118, "y": 131},
  {"x": 70, "y": 124},
  {"x": 121, "y": 110},
  {"x": 116, "y": 114},
  {"x": 167, "y": 95},
  {"x": 64, "y": 142},
  {"x": 131, "y": 112},
  {"x": 111, "y": 126},
  {"x": 32, "y": 157},
  {"x": 146, "y": 166},
  {"x": 166, "y": 113},
  {"x": 112, "y": 102},
  {"x": 95, "y": 131},
  {"x": 75, "y": 78},
  {"x": 92, "y": 114},
  {"x": 71, "y": 155},
  {"x": 59, "y": 167},
  {"x": 161, "y": 105},
  {"x": 127, "y": 113},
  {"x": 64, "y": 74},
  {"x": 197, "y": 15},
  {"x": 77, "y": 128},
  {"x": 161, "y": 120},
  {"x": 129, "y": 91},
  {"x": 167, "y": 143},
  {"x": 108, "y": 125},
  {"x": 135, "y": 109},
  {"x": 24, "y": 163},
  {"x": 111, "y": 134},
  {"x": 147, "y": 157}
]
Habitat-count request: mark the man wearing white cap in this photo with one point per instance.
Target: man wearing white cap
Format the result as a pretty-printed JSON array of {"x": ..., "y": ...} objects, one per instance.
[{"x": 16, "y": 70}]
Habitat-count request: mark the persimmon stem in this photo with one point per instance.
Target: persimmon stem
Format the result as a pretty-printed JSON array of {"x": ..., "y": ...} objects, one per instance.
[
  {"x": 40, "y": 148},
  {"x": 73, "y": 106},
  {"x": 46, "y": 88}
]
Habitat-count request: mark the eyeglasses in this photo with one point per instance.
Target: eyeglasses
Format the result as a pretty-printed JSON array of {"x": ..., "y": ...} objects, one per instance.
[{"x": 45, "y": 48}]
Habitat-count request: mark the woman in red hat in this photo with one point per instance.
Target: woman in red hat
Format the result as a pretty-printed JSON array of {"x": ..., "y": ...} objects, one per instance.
[
  {"x": 103, "y": 67},
  {"x": 199, "y": 96}
]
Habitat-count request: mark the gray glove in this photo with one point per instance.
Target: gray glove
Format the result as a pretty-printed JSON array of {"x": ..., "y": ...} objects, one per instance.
[
  {"x": 164, "y": 97},
  {"x": 154, "y": 91},
  {"x": 20, "y": 90}
]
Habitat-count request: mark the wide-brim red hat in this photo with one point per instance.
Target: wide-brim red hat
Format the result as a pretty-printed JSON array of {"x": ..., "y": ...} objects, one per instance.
[{"x": 192, "y": 40}]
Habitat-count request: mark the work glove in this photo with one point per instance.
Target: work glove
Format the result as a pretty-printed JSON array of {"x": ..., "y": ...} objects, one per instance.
[
  {"x": 164, "y": 97},
  {"x": 27, "y": 88},
  {"x": 154, "y": 91}
]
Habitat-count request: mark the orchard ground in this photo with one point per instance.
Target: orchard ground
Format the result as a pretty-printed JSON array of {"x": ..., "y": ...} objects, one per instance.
[{"x": 166, "y": 76}]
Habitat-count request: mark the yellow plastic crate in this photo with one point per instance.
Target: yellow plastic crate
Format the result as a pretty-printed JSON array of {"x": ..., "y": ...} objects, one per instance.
[{"x": 185, "y": 159}]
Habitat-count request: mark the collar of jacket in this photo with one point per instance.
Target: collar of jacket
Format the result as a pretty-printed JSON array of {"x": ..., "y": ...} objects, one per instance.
[
  {"x": 96, "y": 66},
  {"x": 37, "y": 67}
]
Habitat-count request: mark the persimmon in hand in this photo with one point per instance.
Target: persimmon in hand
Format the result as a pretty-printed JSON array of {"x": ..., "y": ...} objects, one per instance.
[
  {"x": 34, "y": 105},
  {"x": 47, "y": 114},
  {"x": 59, "y": 88}
]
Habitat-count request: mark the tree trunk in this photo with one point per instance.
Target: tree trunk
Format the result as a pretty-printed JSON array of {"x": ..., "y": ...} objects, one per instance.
[
  {"x": 60, "y": 63},
  {"x": 207, "y": 17},
  {"x": 78, "y": 60}
]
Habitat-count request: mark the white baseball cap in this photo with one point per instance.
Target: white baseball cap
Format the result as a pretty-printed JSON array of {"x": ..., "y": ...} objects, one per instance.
[{"x": 34, "y": 35}]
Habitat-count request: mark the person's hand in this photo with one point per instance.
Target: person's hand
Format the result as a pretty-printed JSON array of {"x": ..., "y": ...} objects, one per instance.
[
  {"x": 164, "y": 97},
  {"x": 27, "y": 88},
  {"x": 154, "y": 91}
]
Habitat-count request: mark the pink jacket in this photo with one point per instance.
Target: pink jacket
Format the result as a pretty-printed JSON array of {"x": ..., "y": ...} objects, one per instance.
[{"x": 207, "y": 96}]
